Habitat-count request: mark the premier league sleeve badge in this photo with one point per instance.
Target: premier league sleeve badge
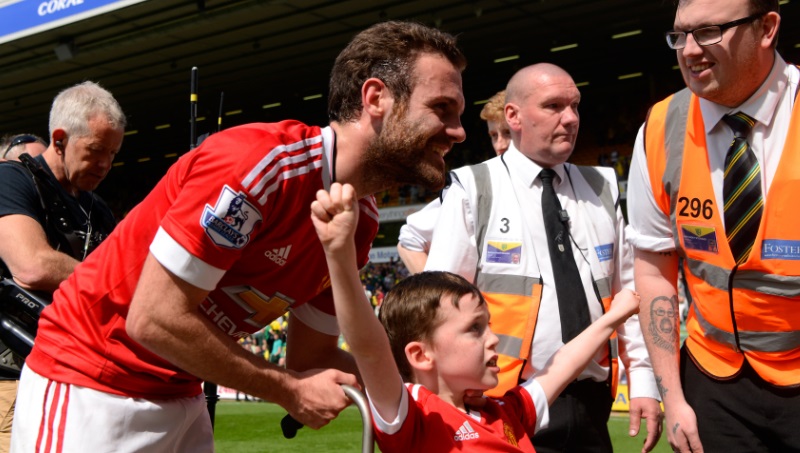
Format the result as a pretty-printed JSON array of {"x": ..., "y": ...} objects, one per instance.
[{"x": 231, "y": 220}]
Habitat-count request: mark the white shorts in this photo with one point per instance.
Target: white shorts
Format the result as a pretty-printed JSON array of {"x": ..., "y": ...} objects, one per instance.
[{"x": 52, "y": 417}]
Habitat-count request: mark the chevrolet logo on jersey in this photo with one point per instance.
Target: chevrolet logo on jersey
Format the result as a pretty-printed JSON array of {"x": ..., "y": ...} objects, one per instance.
[
  {"x": 229, "y": 222},
  {"x": 255, "y": 309}
]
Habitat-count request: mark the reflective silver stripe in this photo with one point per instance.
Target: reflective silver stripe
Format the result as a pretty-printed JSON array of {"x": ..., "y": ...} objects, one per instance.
[
  {"x": 506, "y": 284},
  {"x": 604, "y": 286},
  {"x": 751, "y": 340},
  {"x": 601, "y": 188},
  {"x": 674, "y": 140},
  {"x": 717, "y": 277},
  {"x": 483, "y": 188},
  {"x": 508, "y": 345},
  {"x": 718, "y": 335},
  {"x": 613, "y": 348},
  {"x": 777, "y": 285},
  {"x": 769, "y": 341},
  {"x": 713, "y": 275}
]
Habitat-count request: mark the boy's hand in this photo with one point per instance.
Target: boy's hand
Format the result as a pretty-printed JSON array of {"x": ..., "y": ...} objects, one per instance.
[
  {"x": 335, "y": 216},
  {"x": 625, "y": 303}
]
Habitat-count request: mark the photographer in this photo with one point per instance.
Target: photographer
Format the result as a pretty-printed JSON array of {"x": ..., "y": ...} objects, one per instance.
[{"x": 49, "y": 217}]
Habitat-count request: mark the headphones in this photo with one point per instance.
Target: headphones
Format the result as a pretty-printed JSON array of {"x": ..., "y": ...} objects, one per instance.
[{"x": 60, "y": 145}]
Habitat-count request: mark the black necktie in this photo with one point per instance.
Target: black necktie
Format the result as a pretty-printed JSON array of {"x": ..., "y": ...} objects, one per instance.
[
  {"x": 572, "y": 305},
  {"x": 741, "y": 189}
]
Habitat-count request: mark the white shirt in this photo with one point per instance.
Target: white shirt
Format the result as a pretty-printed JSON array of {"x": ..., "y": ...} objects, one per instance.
[
  {"x": 771, "y": 106},
  {"x": 417, "y": 233},
  {"x": 454, "y": 249}
]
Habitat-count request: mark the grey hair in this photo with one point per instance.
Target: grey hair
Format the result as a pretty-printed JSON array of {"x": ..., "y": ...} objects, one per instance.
[{"x": 75, "y": 106}]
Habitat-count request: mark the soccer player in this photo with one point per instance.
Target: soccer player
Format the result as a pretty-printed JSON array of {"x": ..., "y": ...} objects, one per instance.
[
  {"x": 439, "y": 334},
  {"x": 223, "y": 245}
]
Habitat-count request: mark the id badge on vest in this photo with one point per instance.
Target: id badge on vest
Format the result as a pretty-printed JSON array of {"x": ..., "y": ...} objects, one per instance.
[{"x": 504, "y": 251}]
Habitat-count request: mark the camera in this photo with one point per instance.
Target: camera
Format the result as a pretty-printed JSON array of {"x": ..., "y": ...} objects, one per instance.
[{"x": 19, "y": 316}]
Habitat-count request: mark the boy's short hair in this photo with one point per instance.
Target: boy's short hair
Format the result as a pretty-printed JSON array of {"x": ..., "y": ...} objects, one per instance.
[
  {"x": 494, "y": 109},
  {"x": 387, "y": 51},
  {"x": 409, "y": 312}
]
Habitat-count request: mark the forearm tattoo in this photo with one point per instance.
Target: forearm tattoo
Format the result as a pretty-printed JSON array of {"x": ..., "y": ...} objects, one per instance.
[
  {"x": 661, "y": 389},
  {"x": 664, "y": 322}
]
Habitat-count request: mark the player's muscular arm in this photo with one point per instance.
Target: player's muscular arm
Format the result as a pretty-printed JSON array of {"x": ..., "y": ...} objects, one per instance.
[
  {"x": 164, "y": 317},
  {"x": 307, "y": 348}
]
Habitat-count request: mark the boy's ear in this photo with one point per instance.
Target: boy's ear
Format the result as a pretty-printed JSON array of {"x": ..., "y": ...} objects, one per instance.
[{"x": 419, "y": 356}]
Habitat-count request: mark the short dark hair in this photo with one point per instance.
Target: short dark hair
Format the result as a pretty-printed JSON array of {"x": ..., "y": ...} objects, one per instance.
[
  {"x": 756, "y": 6},
  {"x": 764, "y": 6},
  {"x": 409, "y": 311},
  {"x": 387, "y": 51}
]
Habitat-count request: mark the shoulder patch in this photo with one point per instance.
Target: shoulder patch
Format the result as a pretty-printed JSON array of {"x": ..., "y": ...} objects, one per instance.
[
  {"x": 231, "y": 220},
  {"x": 604, "y": 252}
]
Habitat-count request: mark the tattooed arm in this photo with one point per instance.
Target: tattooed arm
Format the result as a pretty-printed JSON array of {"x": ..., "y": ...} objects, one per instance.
[{"x": 656, "y": 275}]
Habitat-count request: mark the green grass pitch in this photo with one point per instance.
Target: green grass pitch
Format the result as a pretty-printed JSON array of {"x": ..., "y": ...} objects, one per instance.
[{"x": 249, "y": 427}]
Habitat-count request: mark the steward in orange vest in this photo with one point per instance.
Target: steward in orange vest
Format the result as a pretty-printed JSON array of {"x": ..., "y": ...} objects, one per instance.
[{"x": 748, "y": 311}]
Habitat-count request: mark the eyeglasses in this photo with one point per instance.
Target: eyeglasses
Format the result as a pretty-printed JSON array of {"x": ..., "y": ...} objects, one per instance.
[
  {"x": 706, "y": 36},
  {"x": 662, "y": 312},
  {"x": 20, "y": 140}
]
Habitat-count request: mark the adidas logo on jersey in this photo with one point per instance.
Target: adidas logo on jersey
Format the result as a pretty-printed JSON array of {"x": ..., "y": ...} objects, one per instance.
[
  {"x": 279, "y": 256},
  {"x": 465, "y": 433}
]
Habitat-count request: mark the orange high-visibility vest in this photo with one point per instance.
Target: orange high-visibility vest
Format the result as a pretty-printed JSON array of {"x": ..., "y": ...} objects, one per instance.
[
  {"x": 750, "y": 311},
  {"x": 513, "y": 300},
  {"x": 514, "y": 318}
]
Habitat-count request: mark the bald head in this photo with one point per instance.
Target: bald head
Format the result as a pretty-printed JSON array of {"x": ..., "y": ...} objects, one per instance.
[
  {"x": 527, "y": 79},
  {"x": 542, "y": 112}
]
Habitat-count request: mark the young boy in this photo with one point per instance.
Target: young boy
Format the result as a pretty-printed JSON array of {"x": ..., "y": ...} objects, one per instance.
[{"x": 438, "y": 332}]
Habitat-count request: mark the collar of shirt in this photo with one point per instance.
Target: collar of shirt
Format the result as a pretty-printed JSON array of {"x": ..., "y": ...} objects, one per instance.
[
  {"x": 328, "y": 156},
  {"x": 760, "y": 106},
  {"x": 524, "y": 169}
]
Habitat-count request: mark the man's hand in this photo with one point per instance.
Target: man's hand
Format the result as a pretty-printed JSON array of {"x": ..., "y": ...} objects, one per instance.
[
  {"x": 682, "y": 428},
  {"x": 318, "y": 396},
  {"x": 650, "y": 410}
]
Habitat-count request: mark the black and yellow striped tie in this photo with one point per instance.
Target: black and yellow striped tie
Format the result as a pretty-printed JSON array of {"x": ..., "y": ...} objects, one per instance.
[{"x": 741, "y": 190}]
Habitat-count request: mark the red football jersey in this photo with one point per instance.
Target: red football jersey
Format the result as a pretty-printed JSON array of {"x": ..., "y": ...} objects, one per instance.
[
  {"x": 431, "y": 424},
  {"x": 232, "y": 216}
]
